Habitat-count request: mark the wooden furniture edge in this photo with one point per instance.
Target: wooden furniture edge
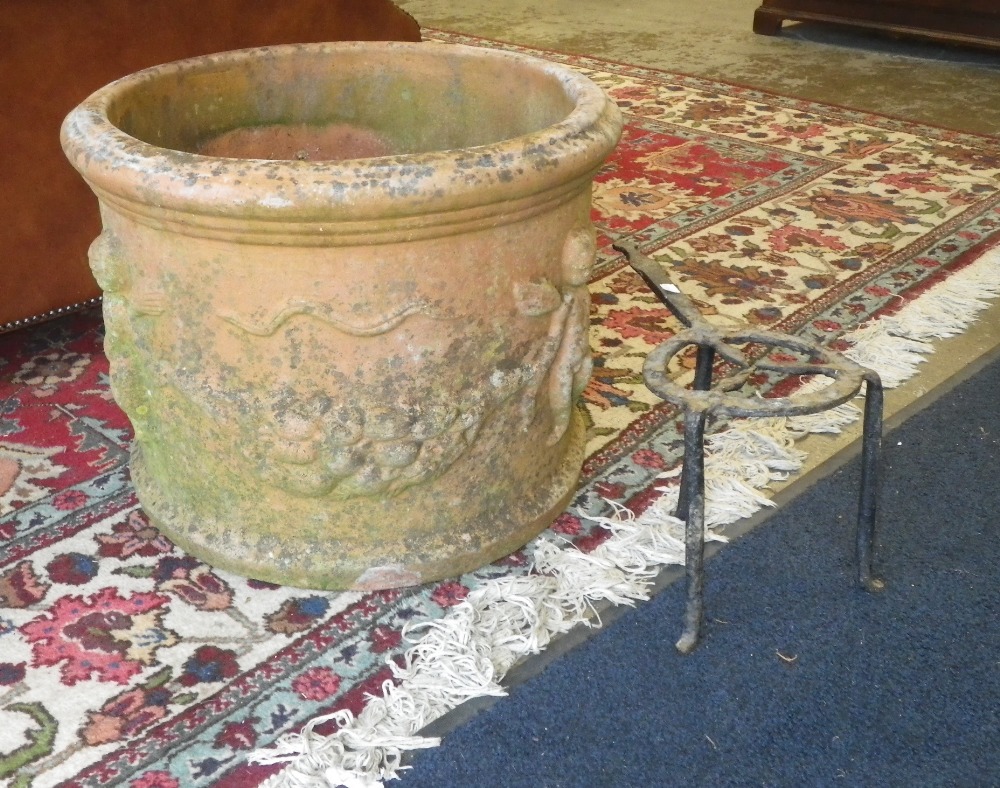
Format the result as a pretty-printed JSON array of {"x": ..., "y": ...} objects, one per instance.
[{"x": 946, "y": 28}]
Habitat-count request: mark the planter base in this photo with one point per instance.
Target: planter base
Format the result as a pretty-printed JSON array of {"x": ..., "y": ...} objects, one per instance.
[{"x": 307, "y": 563}]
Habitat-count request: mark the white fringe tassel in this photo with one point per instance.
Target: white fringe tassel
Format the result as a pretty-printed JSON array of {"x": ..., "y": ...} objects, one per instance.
[{"x": 466, "y": 653}]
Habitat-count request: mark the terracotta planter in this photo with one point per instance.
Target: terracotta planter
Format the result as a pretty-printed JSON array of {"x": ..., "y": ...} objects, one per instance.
[{"x": 346, "y": 300}]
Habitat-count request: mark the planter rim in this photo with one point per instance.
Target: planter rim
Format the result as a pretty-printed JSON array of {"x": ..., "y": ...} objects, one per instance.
[{"x": 148, "y": 178}]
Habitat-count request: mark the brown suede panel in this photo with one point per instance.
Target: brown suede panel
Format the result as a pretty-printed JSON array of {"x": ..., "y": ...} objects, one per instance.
[{"x": 56, "y": 52}]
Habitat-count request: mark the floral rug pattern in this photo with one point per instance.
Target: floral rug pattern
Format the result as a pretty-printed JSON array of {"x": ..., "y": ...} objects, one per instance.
[{"x": 124, "y": 661}]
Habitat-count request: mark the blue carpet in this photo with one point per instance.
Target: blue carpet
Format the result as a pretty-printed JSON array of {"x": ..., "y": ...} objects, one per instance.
[{"x": 898, "y": 689}]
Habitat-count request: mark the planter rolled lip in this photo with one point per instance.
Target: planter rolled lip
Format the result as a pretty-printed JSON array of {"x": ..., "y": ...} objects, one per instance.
[{"x": 424, "y": 186}]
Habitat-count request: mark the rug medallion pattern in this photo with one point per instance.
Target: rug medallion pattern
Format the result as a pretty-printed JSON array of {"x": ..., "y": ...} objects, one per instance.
[{"x": 124, "y": 661}]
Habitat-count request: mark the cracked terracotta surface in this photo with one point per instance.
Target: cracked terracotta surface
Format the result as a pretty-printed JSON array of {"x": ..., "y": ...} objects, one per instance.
[{"x": 348, "y": 372}]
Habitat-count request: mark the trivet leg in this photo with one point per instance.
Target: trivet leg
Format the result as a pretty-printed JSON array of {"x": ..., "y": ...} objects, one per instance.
[
  {"x": 703, "y": 368},
  {"x": 702, "y": 382},
  {"x": 868, "y": 504},
  {"x": 694, "y": 532}
]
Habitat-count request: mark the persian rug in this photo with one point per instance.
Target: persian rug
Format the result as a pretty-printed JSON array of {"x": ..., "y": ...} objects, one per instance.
[{"x": 124, "y": 661}]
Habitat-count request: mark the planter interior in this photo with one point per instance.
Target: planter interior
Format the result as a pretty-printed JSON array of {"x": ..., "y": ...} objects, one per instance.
[{"x": 277, "y": 106}]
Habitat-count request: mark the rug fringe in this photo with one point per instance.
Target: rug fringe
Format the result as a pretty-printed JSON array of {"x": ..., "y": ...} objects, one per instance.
[{"x": 466, "y": 653}]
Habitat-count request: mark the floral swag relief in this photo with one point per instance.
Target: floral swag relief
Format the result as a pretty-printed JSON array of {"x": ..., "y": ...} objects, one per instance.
[
  {"x": 348, "y": 445},
  {"x": 561, "y": 364}
]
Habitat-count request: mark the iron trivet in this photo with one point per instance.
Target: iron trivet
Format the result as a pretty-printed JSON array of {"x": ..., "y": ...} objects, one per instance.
[{"x": 706, "y": 400}]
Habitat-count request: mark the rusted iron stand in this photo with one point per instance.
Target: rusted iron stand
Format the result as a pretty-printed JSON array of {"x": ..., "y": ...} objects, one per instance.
[{"x": 707, "y": 399}]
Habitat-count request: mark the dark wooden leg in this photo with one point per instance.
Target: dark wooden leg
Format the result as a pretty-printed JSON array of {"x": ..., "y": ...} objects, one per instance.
[{"x": 766, "y": 22}]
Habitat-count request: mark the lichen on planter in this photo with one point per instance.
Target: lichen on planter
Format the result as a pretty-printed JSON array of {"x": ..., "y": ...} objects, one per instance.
[{"x": 346, "y": 300}]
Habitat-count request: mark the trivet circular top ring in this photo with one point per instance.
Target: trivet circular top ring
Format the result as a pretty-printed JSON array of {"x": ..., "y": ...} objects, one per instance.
[{"x": 846, "y": 375}]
